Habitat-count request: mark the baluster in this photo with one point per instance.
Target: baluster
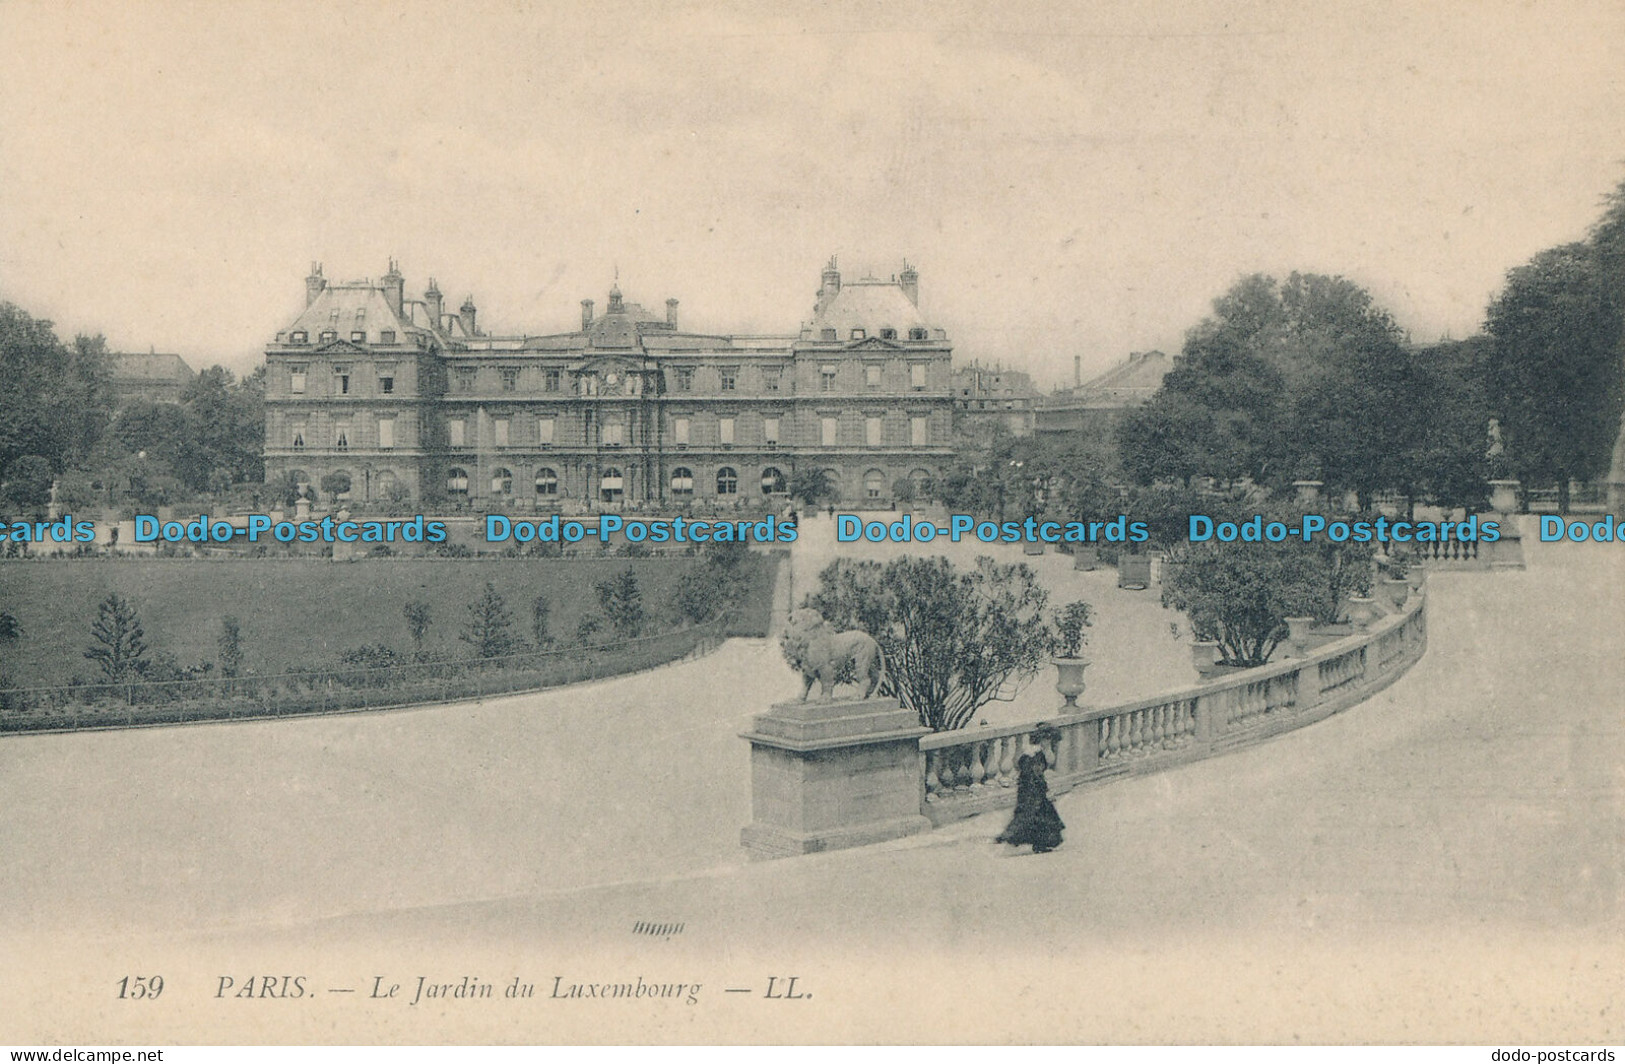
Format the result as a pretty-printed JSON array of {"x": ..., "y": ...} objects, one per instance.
[
  {"x": 945, "y": 772},
  {"x": 978, "y": 766},
  {"x": 932, "y": 787},
  {"x": 962, "y": 768},
  {"x": 1007, "y": 761},
  {"x": 1108, "y": 738},
  {"x": 1136, "y": 733}
]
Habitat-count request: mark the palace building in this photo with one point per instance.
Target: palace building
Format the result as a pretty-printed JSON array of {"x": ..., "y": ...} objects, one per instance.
[{"x": 412, "y": 402}]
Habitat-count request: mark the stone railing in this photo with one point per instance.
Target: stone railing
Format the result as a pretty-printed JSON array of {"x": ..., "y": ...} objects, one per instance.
[{"x": 970, "y": 772}]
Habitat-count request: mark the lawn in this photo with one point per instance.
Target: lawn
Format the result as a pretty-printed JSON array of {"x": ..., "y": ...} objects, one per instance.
[{"x": 306, "y": 611}]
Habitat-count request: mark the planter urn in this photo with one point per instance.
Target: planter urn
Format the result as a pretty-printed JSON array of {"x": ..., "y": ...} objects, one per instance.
[
  {"x": 1397, "y": 591},
  {"x": 1203, "y": 657},
  {"x": 1070, "y": 685},
  {"x": 1298, "y": 634},
  {"x": 1361, "y": 612}
]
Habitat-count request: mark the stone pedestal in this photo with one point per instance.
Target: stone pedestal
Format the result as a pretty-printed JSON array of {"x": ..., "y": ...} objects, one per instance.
[{"x": 828, "y": 775}]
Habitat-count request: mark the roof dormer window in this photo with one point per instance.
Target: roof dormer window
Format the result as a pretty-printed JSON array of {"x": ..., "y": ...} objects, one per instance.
[
  {"x": 359, "y": 336},
  {"x": 299, "y": 336},
  {"x": 328, "y": 335},
  {"x": 916, "y": 333},
  {"x": 888, "y": 334},
  {"x": 858, "y": 334}
]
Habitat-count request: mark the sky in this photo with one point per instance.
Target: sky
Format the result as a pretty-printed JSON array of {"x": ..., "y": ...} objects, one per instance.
[{"x": 1070, "y": 179}]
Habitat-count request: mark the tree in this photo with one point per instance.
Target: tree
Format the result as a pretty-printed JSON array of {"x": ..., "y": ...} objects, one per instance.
[
  {"x": 1555, "y": 367},
  {"x": 811, "y": 485},
  {"x": 11, "y": 629},
  {"x": 26, "y": 489},
  {"x": 622, "y": 602},
  {"x": 54, "y": 398},
  {"x": 230, "y": 645},
  {"x": 418, "y": 619},
  {"x": 336, "y": 484},
  {"x": 540, "y": 608},
  {"x": 1239, "y": 594},
  {"x": 118, "y": 644},
  {"x": 953, "y": 640},
  {"x": 487, "y": 630}
]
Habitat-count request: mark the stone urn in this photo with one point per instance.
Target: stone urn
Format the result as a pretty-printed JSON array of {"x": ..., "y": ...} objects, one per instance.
[
  {"x": 1071, "y": 684},
  {"x": 1134, "y": 571},
  {"x": 1362, "y": 611},
  {"x": 1085, "y": 557},
  {"x": 1298, "y": 634},
  {"x": 1504, "y": 496},
  {"x": 1204, "y": 656},
  {"x": 1397, "y": 591},
  {"x": 1416, "y": 577}
]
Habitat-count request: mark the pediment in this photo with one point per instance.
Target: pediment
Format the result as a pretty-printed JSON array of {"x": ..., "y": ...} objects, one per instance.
[
  {"x": 874, "y": 343},
  {"x": 339, "y": 347}
]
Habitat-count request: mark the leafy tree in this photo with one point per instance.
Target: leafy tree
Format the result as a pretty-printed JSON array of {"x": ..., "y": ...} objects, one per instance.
[
  {"x": 487, "y": 630},
  {"x": 54, "y": 397},
  {"x": 622, "y": 602},
  {"x": 118, "y": 644},
  {"x": 26, "y": 489},
  {"x": 230, "y": 645},
  {"x": 587, "y": 630},
  {"x": 11, "y": 629},
  {"x": 1070, "y": 621},
  {"x": 811, "y": 485},
  {"x": 1555, "y": 367},
  {"x": 953, "y": 640},
  {"x": 419, "y": 617},
  {"x": 336, "y": 484}
]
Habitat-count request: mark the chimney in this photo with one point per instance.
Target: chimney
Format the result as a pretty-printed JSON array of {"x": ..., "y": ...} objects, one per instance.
[
  {"x": 467, "y": 314},
  {"x": 1077, "y": 371},
  {"x": 436, "y": 305},
  {"x": 394, "y": 288},
  {"x": 831, "y": 285},
  {"x": 314, "y": 283},
  {"x": 586, "y": 314},
  {"x": 911, "y": 283},
  {"x": 671, "y": 313}
]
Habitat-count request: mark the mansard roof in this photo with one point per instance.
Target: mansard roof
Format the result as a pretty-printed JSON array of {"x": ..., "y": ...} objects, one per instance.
[{"x": 870, "y": 305}]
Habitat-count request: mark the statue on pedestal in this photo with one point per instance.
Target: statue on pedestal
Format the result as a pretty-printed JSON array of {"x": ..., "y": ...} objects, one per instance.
[{"x": 817, "y": 651}]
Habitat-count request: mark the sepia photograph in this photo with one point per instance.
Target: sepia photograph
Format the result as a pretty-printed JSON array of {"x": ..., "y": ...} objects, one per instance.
[{"x": 732, "y": 522}]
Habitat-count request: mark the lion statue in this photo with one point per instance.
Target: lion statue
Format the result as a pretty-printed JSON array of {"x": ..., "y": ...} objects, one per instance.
[{"x": 821, "y": 653}]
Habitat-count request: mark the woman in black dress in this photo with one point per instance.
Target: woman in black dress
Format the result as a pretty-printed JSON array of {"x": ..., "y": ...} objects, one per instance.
[{"x": 1036, "y": 820}]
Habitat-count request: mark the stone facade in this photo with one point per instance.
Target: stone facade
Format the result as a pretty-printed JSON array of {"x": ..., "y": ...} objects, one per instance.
[{"x": 417, "y": 404}]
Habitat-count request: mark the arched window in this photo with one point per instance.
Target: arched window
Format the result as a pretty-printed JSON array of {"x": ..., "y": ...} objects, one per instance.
[
  {"x": 772, "y": 481},
  {"x": 921, "y": 479},
  {"x": 727, "y": 481},
  {"x": 547, "y": 481},
  {"x": 874, "y": 484},
  {"x": 612, "y": 486},
  {"x": 457, "y": 481},
  {"x": 502, "y": 481},
  {"x": 383, "y": 483},
  {"x": 682, "y": 481}
]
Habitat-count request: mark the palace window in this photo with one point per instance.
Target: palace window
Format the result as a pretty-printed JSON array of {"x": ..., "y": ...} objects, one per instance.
[
  {"x": 826, "y": 377},
  {"x": 457, "y": 432},
  {"x": 770, "y": 379},
  {"x": 612, "y": 486},
  {"x": 871, "y": 376},
  {"x": 299, "y": 336},
  {"x": 547, "y": 481},
  {"x": 919, "y": 431},
  {"x": 551, "y": 380},
  {"x": 916, "y": 334},
  {"x": 729, "y": 375},
  {"x": 727, "y": 481},
  {"x": 386, "y": 384},
  {"x": 386, "y": 433},
  {"x": 296, "y": 379},
  {"x": 614, "y": 433},
  {"x": 457, "y": 481},
  {"x": 299, "y": 435},
  {"x": 826, "y": 334},
  {"x": 873, "y": 429},
  {"x": 725, "y": 431},
  {"x": 772, "y": 481},
  {"x": 770, "y": 429},
  {"x": 499, "y": 432},
  {"x": 544, "y": 431},
  {"x": 328, "y": 335},
  {"x": 858, "y": 334},
  {"x": 502, "y": 481},
  {"x": 465, "y": 379},
  {"x": 386, "y": 336},
  {"x": 682, "y": 481},
  {"x": 341, "y": 436},
  {"x": 916, "y": 376},
  {"x": 359, "y": 336},
  {"x": 888, "y": 334},
  {"x": 829, "y": 429},
  {"x": 510, "y": 379},
  {"x": 683, "y": 380},
  {"x": 679, "y": 431},
  {"x": 874, "y": 484},
  {"x": 341, "y": 374}
]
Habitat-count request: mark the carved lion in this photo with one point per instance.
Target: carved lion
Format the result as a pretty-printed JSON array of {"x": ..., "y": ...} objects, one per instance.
[{"x": 821, "y": 653}]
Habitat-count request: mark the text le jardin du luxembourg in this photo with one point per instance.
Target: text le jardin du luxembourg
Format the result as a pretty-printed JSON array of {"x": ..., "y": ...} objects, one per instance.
[{"x": 849, "y": 528}]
